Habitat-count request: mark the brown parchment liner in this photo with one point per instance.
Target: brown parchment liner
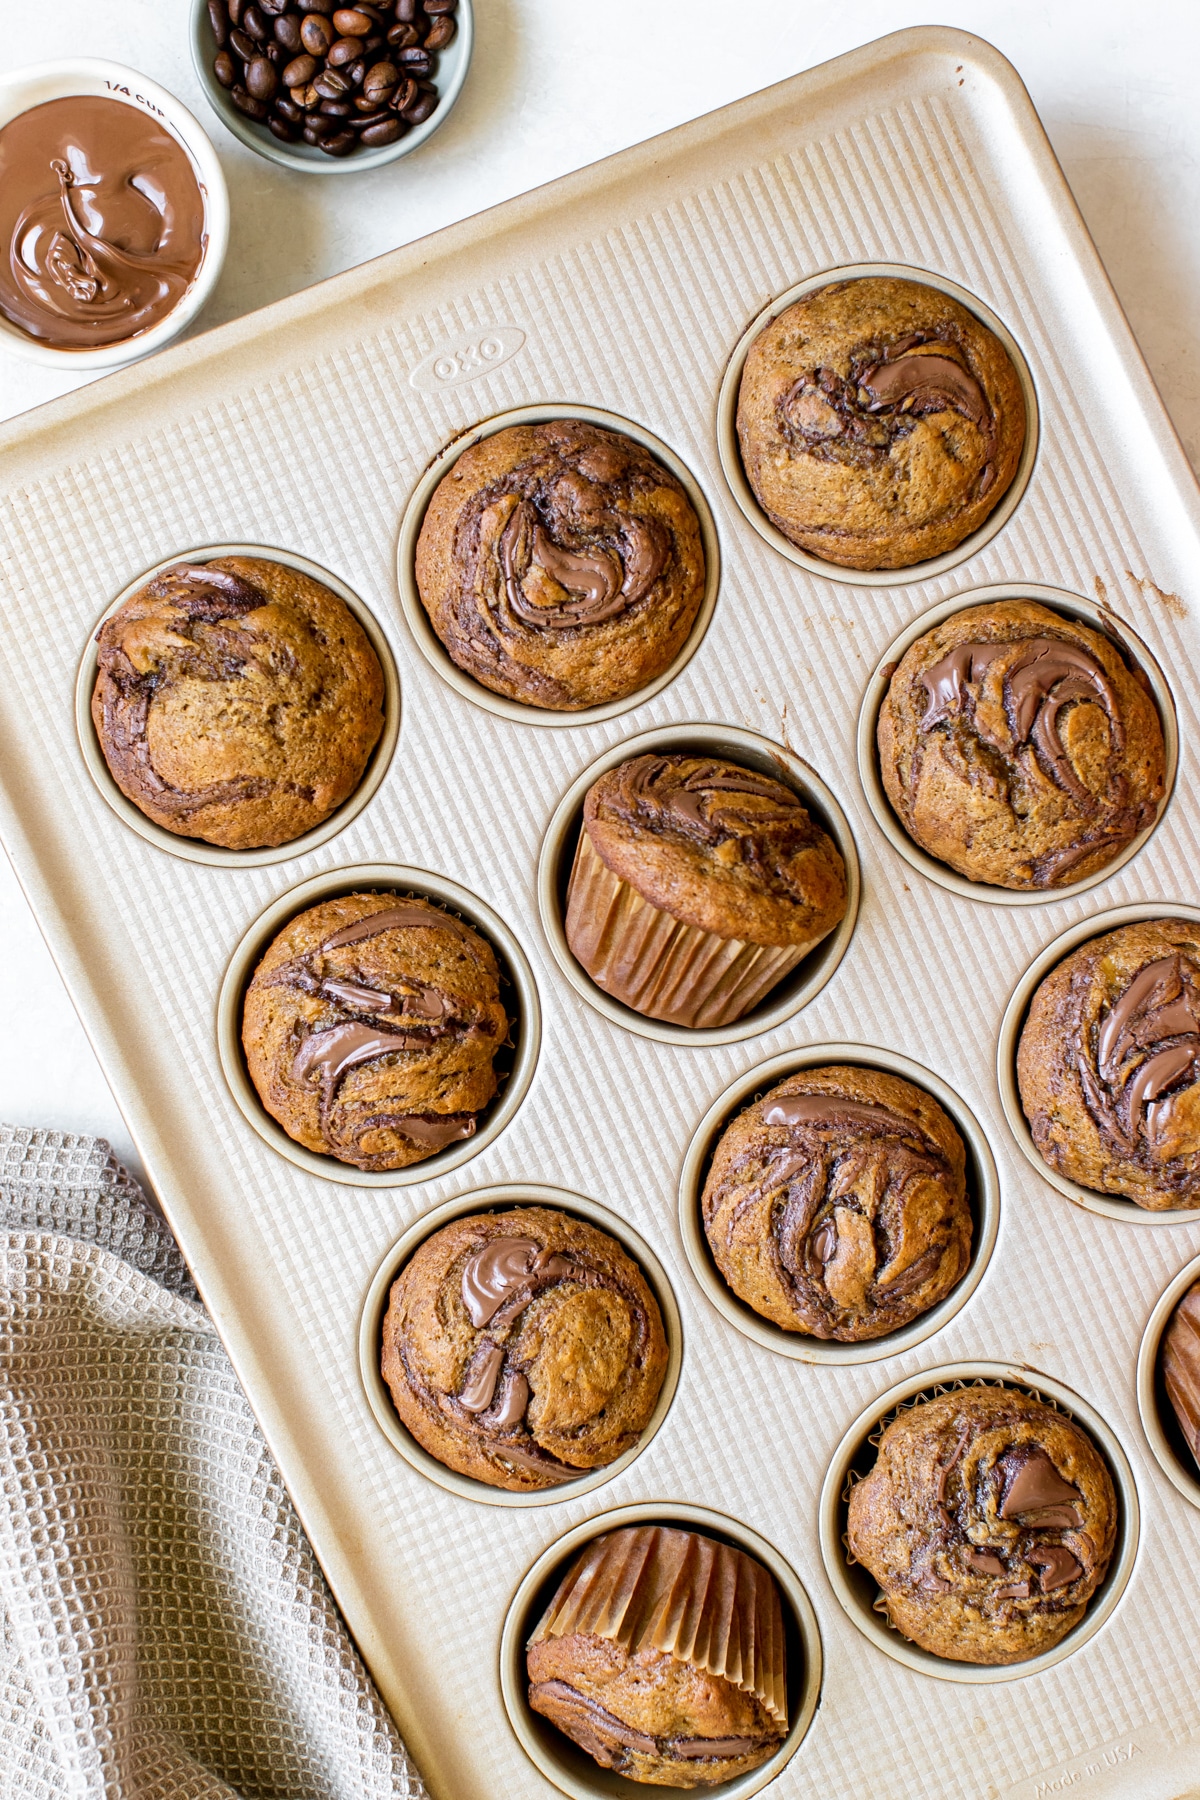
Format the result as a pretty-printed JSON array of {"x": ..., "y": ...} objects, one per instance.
[
  {"x": 653, "y": 962},
  {"x": 689, "y": 1596}
]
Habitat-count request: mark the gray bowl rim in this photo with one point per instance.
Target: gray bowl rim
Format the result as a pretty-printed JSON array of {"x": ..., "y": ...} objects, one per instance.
[
  {"x": 786, "y": 765},
  {"x": 417, "y": 619}
]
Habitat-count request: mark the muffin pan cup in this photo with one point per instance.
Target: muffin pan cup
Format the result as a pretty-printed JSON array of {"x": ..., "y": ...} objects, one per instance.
[
  {"x": 417, "y": 619},
  {"x": 571, "y": 1769},
  {"x": 1110, "y": 1206},
  {"x": 730, "y": 452},
  {"x": 195, "y": 849},
  {"x": 497, "y": 1200},
  {"x": 1163, "y": 1434},
  {"x": 802, "y": 983},
  {"x": 520, "y": 996},
  {"x": 855, "y": 1587},
  {"x": 983, "y": 1195},
  {"x": 1086, "y": 612}
]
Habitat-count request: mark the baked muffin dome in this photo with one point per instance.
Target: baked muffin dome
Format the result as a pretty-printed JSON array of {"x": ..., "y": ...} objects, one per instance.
[
  {"x": 1108, "y": 1064},
  {"x": 561, "y": 565},
  {"x": 662, "y": 1655},
  {"x": 836, "y": 1205},
  {"x": 697, "y": 885},
  {"x": 989, "y": 1521},
  {"x": 370, "y": 1029},
  {"x": 880, "y": 422},
  {"x": 523, "y": 1348},
  {"x": 1179, "y": 1365},
  {"x": 1017, "y": 746},
  {"x": 236, "y": 701}
]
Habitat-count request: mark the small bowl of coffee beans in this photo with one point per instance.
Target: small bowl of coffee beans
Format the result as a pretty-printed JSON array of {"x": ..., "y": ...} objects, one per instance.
[{"x": 321, "y": 87}]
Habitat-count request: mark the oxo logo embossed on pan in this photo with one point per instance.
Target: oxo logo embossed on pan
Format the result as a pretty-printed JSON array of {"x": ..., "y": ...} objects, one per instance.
[{"x": 466, "y": 358}]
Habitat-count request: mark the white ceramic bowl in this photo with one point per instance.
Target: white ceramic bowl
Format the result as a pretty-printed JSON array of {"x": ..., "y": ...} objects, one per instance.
[
  {"x": 452, "y": 65},
  {"x": 26, "y": 88}
]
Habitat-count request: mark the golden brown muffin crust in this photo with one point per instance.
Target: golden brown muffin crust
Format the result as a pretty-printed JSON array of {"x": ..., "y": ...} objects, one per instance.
[
  {"x": 1108, "y": 1060},
  {"x": 370, "y": 1029},
  {"x": 1016, "y": 746},
  {"x": 880, "y": 422},
  {"x": 236, "y": 701},
  {"x": 718, "y": 846},
  {"x": 836, "y": 1205},
  {"x": 523, "y": 1348},
  {"x": 561, "y": 564},
  {"x": 989, "y": 1521}
]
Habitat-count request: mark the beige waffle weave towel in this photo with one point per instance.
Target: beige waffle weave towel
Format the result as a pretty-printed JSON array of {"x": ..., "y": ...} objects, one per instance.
[{"x": 167, "y": 1634}]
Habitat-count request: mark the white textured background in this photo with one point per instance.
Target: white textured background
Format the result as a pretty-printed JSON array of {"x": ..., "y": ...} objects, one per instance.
[{"x": 556, "y": 84}]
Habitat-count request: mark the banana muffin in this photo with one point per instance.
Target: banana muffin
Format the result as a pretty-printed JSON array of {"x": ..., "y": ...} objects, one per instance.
[
  {"x": 1179, "y": 1365},
  {"x": 561, "y": 565},
  {"x": 1108, "y": 1063},
  {"x": 662, "y": 1655},
  {"x": 697, "y": 886},
  {"x": 879, "y": 421},
  {"x": 236, "y": 701},
  {"x": 371, "y": 1026},
  {"x": 523, "y": 1348},
  {"x": 989, "y": 1521},
  {"x": 836, "y": 1205},
  {"x": 1017, "y": 746}
]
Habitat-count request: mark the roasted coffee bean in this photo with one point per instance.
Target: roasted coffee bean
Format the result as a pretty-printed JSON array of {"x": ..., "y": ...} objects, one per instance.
[
  {"x": 406, "y": 11},
  {"x": 323, "y": 7},
  {"x": 287, "y": 32},
  {"x": 261, "y": 79},
  {"x": 404, "y": 96},
  {"x": 401, "y": 36},
  {"x": 280, "y": 128},
  {"x": 331, "y": 85},
  {"x": 337, "y": 109},
  {"x": 246, "y": 47},
  {"x": 341, "y": 145},
  {"x": 441, "y": 32},
  {"x": 225, "y": 69},
  {"x": 235, "y": 11},
  {"x": 344, "y": 50},
  {"x": 317, "y": 126},
  {"x": 218, "y": 18},
  {"x": 415, "y": 63},
  {"x": 275, "y": 53},
  {"x": 306, "y": 97},
  {"x": 272, "y": 9},
  {"x": 374, "y": 136},
  {"x": 254, "y": 25},
  {"x": 380, "y": 81},
  {"x": 350, "y": 22},
  {"x": 375, "y": 117},
  {"x": 300, "y": 71},
  {"x": 372, "y": 44},
  {"x": 436, "y": 7},
  {"x": 424, "y": 105},
  {"x": 287, "y": 109},
  {"x": 246, "y": 103},
  {"x": 316, "y": 34}
]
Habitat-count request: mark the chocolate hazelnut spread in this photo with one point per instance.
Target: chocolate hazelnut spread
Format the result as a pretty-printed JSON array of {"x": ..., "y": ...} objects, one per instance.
[{"x": 102, "y": 226}]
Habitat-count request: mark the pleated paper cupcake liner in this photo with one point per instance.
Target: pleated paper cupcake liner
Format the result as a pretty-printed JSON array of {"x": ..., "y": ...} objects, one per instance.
[
  {"x": 689, "y": 1596},
  {"x": 661, "y": 967}
]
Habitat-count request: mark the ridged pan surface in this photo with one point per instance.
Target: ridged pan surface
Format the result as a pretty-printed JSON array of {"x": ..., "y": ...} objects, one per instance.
[{"x": 627, "y": 287}]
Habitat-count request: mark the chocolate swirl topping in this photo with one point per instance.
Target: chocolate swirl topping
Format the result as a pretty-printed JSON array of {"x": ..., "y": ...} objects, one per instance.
[
  {"x": 857, "y": 417},
  {"x": 326, "y": 1054},
  {"x": 1146, "y": 1052}
]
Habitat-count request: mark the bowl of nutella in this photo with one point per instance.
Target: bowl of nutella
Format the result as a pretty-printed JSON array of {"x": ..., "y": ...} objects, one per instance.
[{"x": 114, "y": 217}]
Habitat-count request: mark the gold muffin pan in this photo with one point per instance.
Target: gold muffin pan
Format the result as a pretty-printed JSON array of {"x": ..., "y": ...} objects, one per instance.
[
  {"x": 747, "y": 747},
  {"x": 417, "y": 619},
  {"x": 983, "y": 1196},
  {"x": 731, "y": 456},
  {"x": 855, "y": 1588},
  {"x": 195, "y": 849},
  {"x": 318, "y": 424},
  {"x": 518, "y": 992},
  {"x": 1109, "y": 1206},
  {"x": 495, "y": 1200},
  {"x": 1074, "y": 606},
  {"x": 558, "y": 1759}
]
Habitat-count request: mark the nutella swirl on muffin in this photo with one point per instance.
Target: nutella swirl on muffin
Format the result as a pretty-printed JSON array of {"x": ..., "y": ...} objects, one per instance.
[
  {"x": 989, "y": 1521},
  {"x": 1017, "y": 746},
  {"x": 1109, "y": 1064},
  {"x": 523, "y": 1348},
  {"x": 560, "y": 564},
  {"x": 697, "y": 885},
  {"x": 879, "y": 421},
  {"x": 370, "y": 1029},
  {"x": 836, "y": 1205},
  {"x": 236, "y": 701}
]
